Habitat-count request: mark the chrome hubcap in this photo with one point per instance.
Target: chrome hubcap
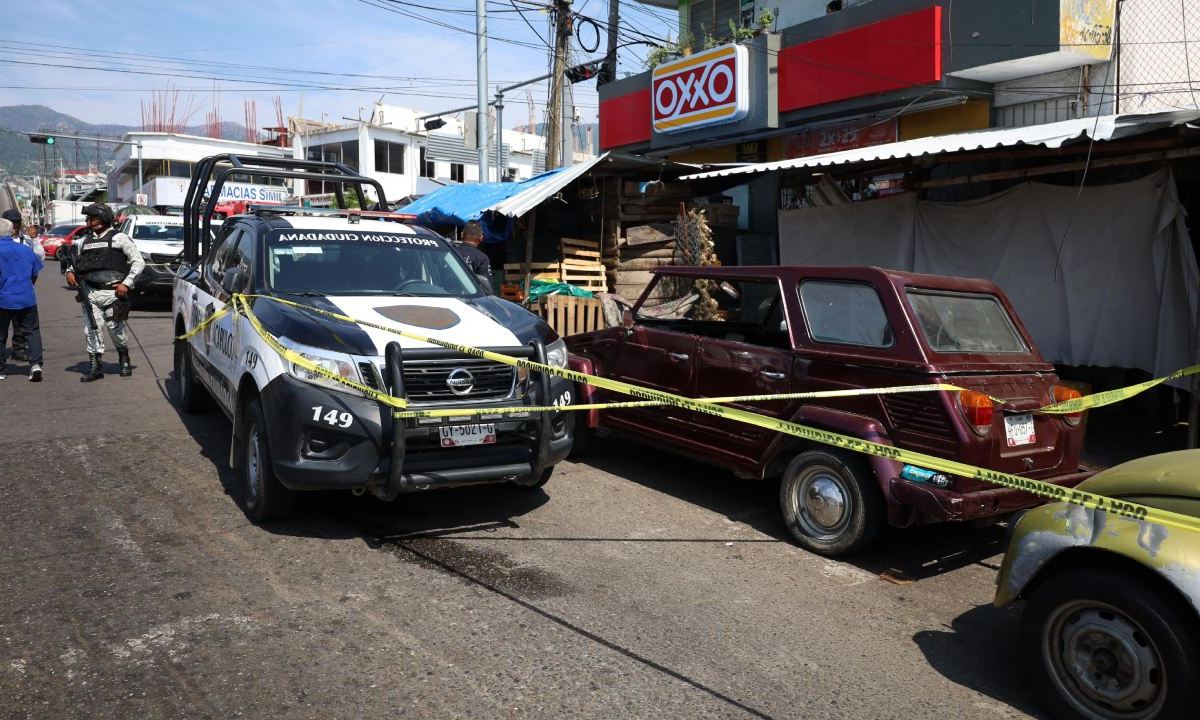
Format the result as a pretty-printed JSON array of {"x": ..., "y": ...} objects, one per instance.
[
  {"x": 822, "y": 503},
  {"x": 1104, "y": 663},
  {"x": 253, "y": 467},
  {"x": 182, "y": 371}
]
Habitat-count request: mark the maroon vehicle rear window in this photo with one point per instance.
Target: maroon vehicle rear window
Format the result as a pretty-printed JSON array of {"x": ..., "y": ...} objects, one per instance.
[
  {"x": 846, "y": 313},
  {"x": 964, "y": 322}
]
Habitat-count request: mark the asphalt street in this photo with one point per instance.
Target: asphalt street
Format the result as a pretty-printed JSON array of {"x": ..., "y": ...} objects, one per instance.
[{"x": 637, "y": 584}]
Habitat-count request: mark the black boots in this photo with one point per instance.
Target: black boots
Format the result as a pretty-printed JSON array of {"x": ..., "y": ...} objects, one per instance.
[{"x": 96, "y": 371}]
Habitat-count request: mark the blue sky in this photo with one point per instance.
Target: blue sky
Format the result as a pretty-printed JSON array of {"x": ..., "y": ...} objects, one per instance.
[{"x": 428, "y": 67}]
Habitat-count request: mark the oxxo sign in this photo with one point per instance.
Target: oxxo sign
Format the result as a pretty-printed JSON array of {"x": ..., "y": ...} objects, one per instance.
[{"x": 709, "y": 88}]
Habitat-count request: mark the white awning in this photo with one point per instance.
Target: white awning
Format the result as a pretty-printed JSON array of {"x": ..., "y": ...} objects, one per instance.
[
  {"x": 526, "y": 200},
  {"x": 1049, "y": 135}
]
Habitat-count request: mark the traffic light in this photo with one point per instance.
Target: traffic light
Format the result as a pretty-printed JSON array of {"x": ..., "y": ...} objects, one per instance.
[
  {"x": 586, "y": 71},
  {"x": 42, "y": 139}
]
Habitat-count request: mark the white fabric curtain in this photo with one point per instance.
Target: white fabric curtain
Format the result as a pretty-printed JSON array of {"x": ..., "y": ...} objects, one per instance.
[{"x": 1120, "y": 290}]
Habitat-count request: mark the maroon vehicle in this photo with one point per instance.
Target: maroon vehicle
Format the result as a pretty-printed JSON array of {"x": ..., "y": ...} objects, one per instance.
[{"x": 735, "y": 331}]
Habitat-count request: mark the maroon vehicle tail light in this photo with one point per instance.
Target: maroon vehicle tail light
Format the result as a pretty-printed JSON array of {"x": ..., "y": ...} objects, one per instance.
[
  {"x": 1062, "y": 394},
  {"x": 977, "y": 409}
]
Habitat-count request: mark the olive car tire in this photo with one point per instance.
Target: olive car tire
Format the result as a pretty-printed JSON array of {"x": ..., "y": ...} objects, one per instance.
[
  {"x": 1085, "y": 631},
  {"x": 190, "y": 394},
  {"x": 262, "y": 497},
  {"x": 830, "y": 503}
]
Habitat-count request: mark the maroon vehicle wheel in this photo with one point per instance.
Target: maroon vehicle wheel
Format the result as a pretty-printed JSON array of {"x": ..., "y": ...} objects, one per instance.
[{"x": 830, "y": 502}]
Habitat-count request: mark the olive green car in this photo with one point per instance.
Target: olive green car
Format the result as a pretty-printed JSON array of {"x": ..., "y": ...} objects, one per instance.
[{"x": 1112, "y": 624}]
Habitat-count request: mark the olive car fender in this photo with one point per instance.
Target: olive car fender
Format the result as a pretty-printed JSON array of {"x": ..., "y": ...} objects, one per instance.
[
  {"x": 859, "y": 426},
  {"x": 1061, "y": 534},
  {"x": 586, "y": 393}
]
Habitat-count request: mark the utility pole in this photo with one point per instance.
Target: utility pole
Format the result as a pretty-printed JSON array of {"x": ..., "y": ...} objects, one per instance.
[
  {"x": 562, "y": 36},
  {"x": 482, "y": 140},
  {"x": 499, "y": 103},
  {"x": 610, "y": 57}
]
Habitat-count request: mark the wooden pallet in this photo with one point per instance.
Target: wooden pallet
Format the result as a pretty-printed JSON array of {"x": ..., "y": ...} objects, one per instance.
[
  {"x": 515, "y": 272},
  {"x": 570, "y": 315},
  {"x": 589, "y": 276},
  {"x": 579, "y": 250}
]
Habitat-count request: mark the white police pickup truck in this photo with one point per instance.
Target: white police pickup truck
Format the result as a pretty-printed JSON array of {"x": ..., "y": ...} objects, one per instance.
[{"x": 294, "y": 429}]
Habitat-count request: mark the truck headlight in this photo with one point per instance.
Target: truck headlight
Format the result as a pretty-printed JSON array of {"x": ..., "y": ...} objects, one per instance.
[
  {"x": 337, "y": 363},
  {"x": 146, "y": 257},
  {"x": 556, "y": 353}
]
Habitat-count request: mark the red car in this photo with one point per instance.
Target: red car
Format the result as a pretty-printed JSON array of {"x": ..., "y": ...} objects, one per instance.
[
  {"x": 58, "y": 236},
  {"x": 737, "y": 331}
]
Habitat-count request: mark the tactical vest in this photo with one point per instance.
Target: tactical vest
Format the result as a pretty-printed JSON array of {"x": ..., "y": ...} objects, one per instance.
[{"x": 98, "y": 262}]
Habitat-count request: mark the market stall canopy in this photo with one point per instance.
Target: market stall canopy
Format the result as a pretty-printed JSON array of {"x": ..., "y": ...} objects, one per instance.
[
  {"x": 1048, "y": 135},
  {"x": 459, "y": 204}
]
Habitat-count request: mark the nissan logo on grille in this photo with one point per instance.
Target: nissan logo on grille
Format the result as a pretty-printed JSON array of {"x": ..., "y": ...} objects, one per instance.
[{"x": 460, "y": 381}]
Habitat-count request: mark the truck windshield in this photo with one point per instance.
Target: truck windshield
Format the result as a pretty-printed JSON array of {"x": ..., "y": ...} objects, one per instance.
[
  {"x": 158, "y": 232},
  {"x": 965, "y": 322},
  {"x": 365, "y": 262}
]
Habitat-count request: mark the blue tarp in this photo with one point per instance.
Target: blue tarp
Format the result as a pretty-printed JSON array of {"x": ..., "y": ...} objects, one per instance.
[{"x": 459, "y": 204}]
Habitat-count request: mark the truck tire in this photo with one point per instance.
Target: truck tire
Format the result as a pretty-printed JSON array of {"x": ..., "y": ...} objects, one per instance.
[
  {"x": 540, "y": 482},
  {"x": 830, "y": 502},
  {"x": 189, "y": 393},
  {"x": 584, "y": 440},
  {"x": 1108, "y": 644},
  {"x": 263, "y": 498}
]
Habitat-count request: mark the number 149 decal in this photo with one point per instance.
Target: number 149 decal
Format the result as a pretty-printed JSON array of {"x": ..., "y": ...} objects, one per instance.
[{"x": 333, "y": 417}]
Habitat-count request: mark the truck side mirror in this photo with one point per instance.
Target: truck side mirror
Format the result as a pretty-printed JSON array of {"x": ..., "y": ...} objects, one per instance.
[
  {"x": 485, "y": 284},
  {"x": 627, "y": 319},
  {"x": 234, "y": 280}
]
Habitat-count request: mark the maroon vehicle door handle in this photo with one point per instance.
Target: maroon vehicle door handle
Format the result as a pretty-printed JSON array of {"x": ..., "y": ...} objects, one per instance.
[
  {"x": 678, "y": 356},
  {"x": 772, "y": 374}
]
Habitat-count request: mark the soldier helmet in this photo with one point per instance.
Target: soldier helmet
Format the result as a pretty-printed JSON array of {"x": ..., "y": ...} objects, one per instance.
[{"x": 100, "y": 211}]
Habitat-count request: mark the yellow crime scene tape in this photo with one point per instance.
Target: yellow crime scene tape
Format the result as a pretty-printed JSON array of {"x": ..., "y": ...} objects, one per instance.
[
  {"x": 463, "y": 412},
  {"x": 238, "y": 305},
  {"x": 298, "y": 359},
  {"x": 1109, "y": 397},
  {"x": 1081, "y": 498}
]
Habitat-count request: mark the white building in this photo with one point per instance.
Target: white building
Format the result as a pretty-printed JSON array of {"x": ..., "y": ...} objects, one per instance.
[
  {"x": 393, "y": 148},
  {"x": 167, "y": 163}
]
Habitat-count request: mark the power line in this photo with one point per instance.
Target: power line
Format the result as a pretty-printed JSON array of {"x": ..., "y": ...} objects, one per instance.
[
  {"x": 531, "y": 27},
  {"x": 90, "y": 54},
  {"x": 448, "y": 26}
]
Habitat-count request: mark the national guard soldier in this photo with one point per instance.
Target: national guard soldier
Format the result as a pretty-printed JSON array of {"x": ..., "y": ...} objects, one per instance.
[{"x": 103, "y": 268}]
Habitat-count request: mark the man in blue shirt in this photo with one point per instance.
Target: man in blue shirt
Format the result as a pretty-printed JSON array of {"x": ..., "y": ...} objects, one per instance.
[{"x": 19, "y": 268}]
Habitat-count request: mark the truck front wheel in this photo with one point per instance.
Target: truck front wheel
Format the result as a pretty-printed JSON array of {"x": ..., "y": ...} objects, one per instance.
[
  {"x": 263, "y": 497},
  {"x": 830, "y": 503}
]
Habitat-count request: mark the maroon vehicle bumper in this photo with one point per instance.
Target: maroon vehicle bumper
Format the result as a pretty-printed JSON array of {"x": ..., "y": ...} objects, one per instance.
[{"x": 945, "y": 504}]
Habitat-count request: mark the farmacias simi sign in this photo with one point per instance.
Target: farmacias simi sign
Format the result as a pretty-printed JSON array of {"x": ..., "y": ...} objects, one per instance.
[{"x": 708, "y": 88}]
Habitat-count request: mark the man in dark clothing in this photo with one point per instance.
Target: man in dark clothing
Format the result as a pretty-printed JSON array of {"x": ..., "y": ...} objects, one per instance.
[
  {"x": 468, "y": 249},
  {"x": 19, "y": 268},
  {"x": 20, "y": 345}
]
